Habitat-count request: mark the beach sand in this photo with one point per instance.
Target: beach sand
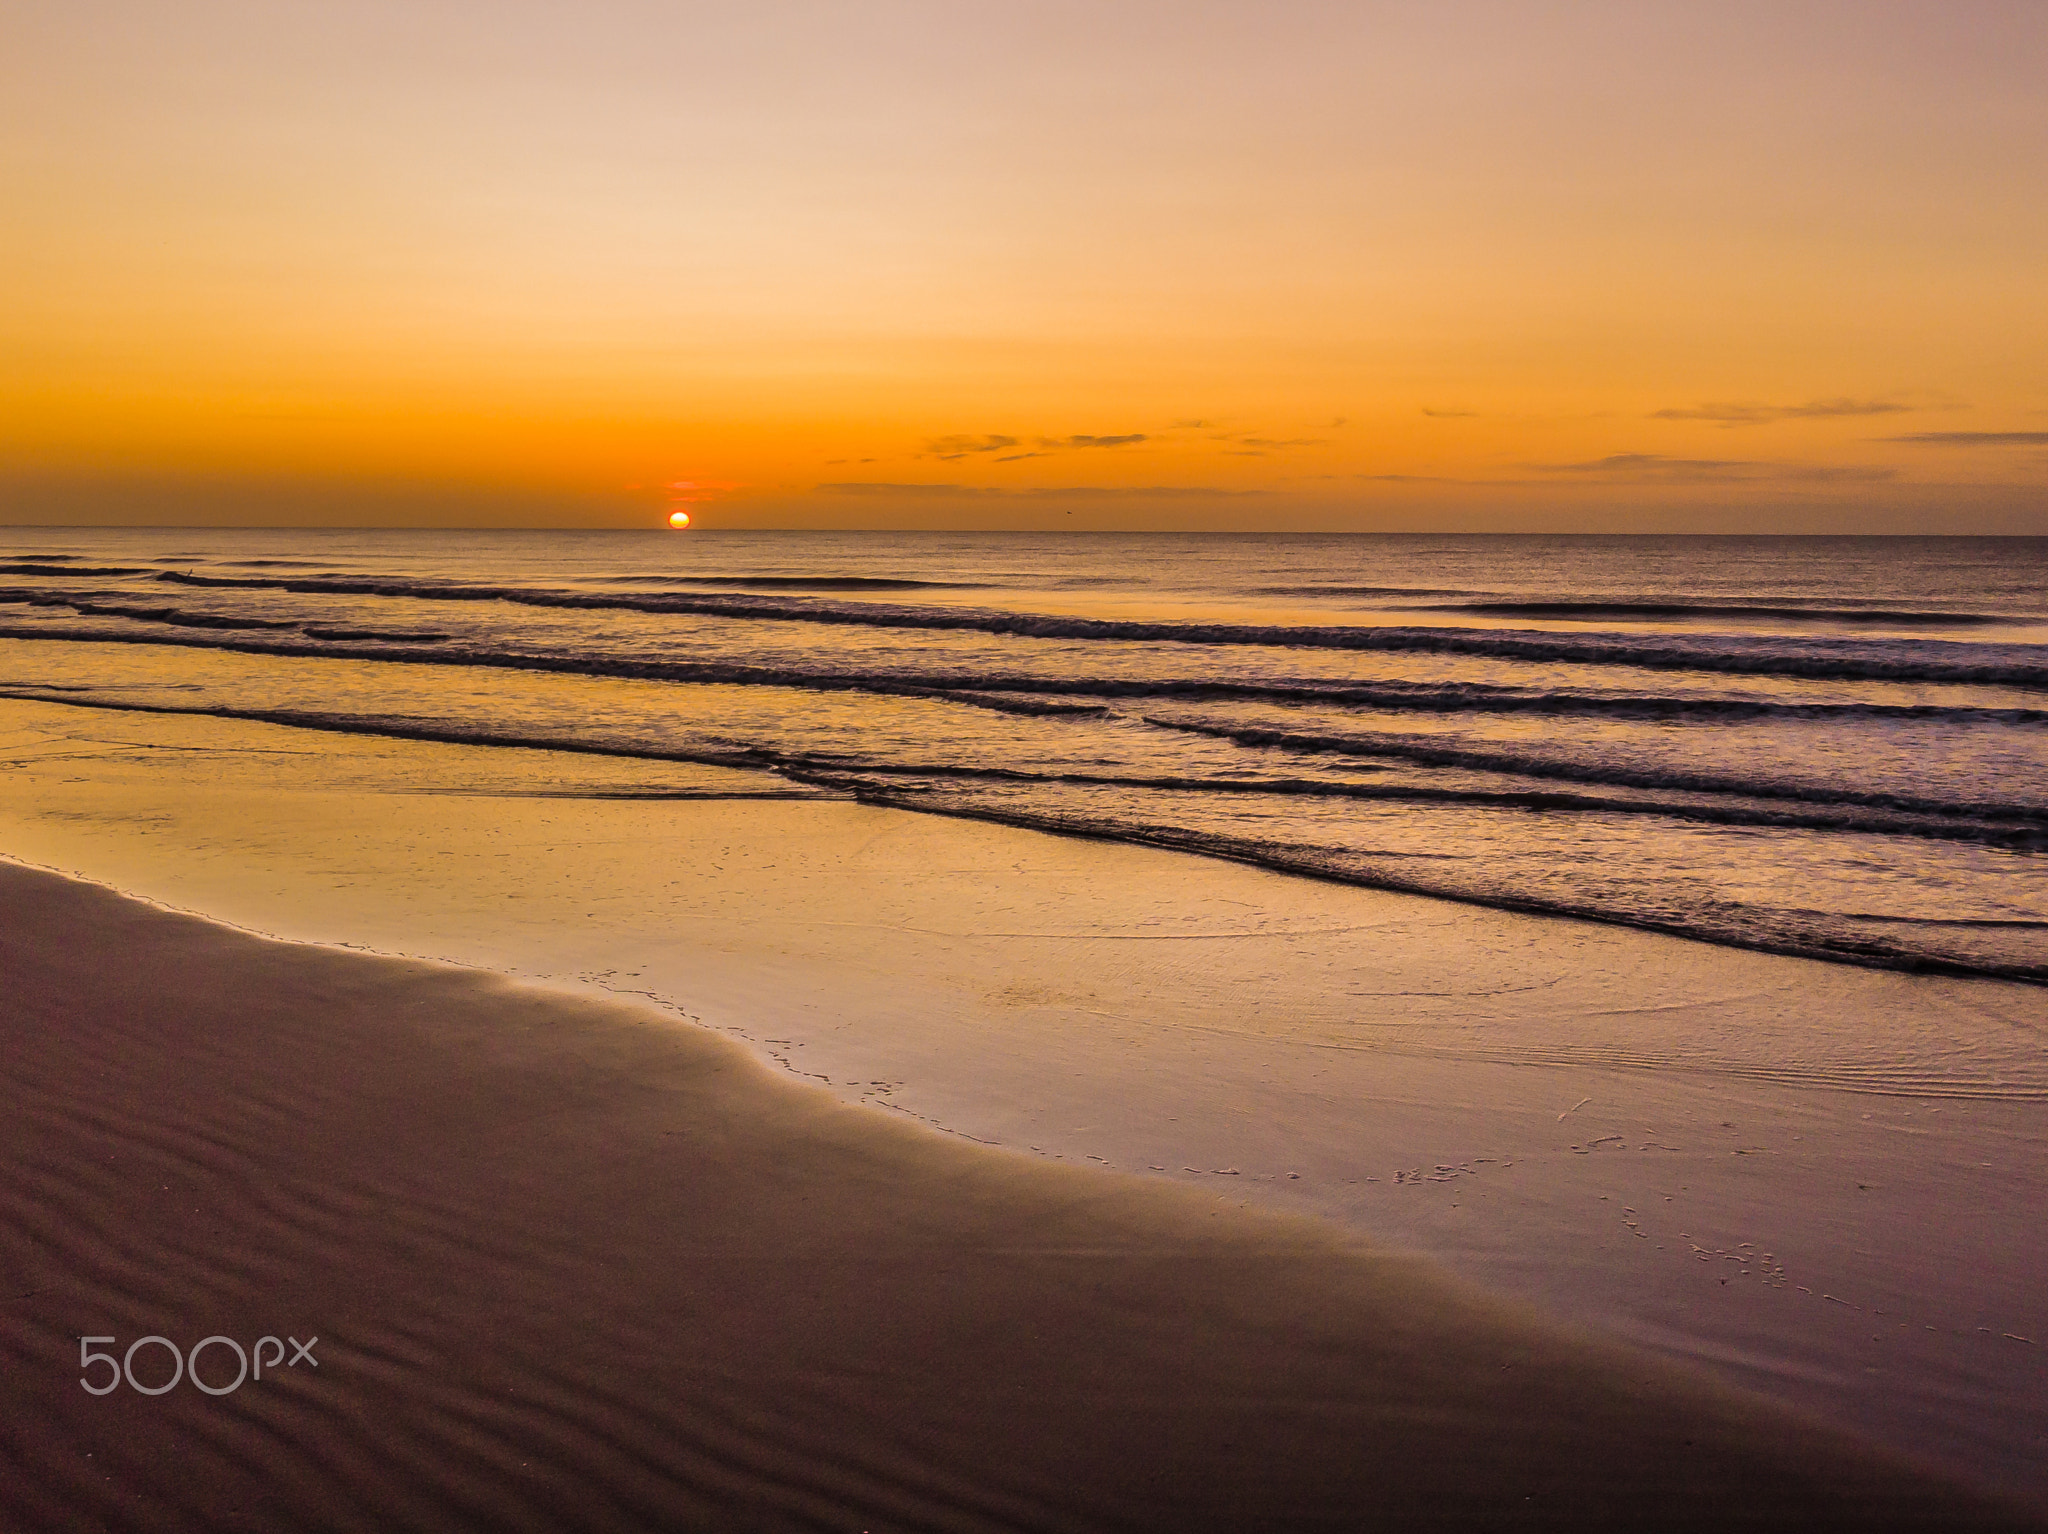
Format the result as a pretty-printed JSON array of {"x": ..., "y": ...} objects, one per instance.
[{"x": 572, "y": 1265}]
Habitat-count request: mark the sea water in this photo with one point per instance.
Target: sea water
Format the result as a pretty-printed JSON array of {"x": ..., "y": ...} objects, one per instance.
[{"x": 1829, "y": 747}]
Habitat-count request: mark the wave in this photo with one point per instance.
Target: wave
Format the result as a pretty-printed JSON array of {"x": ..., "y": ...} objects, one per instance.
[
  {"x": 382, "y": 636},
  {"x": 1362, "y": 591},
  {"x": 1524, "y": 764},
  {"x": 1040, "y": 708},
  {"x": 407, "y": 729},
  {"x": 849, "y": 774},
  {"x": 1888, "y": 617},
  {"x": 44, "y": 567},
  {"x": 1824, "y": 659},
  {"x": 1038, "y": 693},
  {"x": 948, "y": 791},
  {"x": 1734, "y": 927},
  {"x": 1866, "y": 821},
  {"x": 392, "y": 649},
  {"x": 794, "y": 582},
  {"x": 1992, "y": 923},
  {"x": 175, "y": 616},
  {"x": 1482, "y": 698}
]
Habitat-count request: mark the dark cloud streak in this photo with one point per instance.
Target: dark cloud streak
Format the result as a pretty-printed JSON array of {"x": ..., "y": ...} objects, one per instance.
[
  {"x": 961, "y": 446},
  {"x": 1658, "y": 469},
  {"x": 877, "y": 488},
  {"x": 1976, "y": 438},
  {"x": 1735, "y": 414}
]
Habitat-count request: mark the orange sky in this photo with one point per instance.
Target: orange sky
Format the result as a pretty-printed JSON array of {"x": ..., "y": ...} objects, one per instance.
[{"x": 1463, "y": 265}]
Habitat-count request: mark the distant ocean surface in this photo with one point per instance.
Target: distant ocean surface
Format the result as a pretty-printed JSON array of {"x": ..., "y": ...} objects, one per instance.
[{"x": 1836, "y": 748}]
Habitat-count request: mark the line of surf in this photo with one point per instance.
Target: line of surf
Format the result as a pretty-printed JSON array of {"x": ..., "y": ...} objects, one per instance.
[
  {"x": 1429, "y": 753},
  {"x": 982, "y": 688},
  {"x": 884, "y": 783},
  {"x": 1929, "y": 661},
  {"x": 1870, "y": 952}
]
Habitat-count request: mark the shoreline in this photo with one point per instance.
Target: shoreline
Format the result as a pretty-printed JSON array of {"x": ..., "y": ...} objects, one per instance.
[
  {"x": 572, "y": 1270},
  {"x": 1769, "y": 1169},
  {"x": 797, "y": 780}
]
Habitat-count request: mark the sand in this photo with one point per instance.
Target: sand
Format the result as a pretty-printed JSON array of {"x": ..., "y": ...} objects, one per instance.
[{"x": 572, "y": 1265}]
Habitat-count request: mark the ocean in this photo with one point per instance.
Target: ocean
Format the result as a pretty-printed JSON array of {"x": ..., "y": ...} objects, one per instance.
[{"x": 1830, "y": 747}]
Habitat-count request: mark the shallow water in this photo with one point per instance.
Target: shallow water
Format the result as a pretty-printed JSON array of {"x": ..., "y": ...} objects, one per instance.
[{"x": 1835, "y": 748}]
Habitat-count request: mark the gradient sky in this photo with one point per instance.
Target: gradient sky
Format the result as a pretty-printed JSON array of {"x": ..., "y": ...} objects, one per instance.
[{"x": 1469, "y": 264}]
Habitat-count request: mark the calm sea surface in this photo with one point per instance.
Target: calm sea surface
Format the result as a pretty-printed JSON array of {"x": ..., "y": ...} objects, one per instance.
[{"x": 1830, "y": 747}]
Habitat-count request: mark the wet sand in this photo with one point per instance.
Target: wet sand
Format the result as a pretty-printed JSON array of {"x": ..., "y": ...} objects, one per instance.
[{"x": 574, "y": 1266}]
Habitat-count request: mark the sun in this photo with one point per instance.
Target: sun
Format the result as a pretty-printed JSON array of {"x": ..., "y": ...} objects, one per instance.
[{"x": 679, "y": 520}]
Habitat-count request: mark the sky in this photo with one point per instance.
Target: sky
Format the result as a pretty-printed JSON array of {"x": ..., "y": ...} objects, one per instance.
[{"x": 1465, "y": 265}]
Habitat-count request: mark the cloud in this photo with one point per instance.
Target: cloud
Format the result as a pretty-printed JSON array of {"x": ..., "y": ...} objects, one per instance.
[
  {"x": 1048, "y": 493},
  {"x": 875, "y": 487},
  {"x": 688, "y": 492},
  {"x": 964, "y": 445},
  {"x": 1019, "y": 457},
  {"x": 1659, "y": 469},
  {"x": 960, "y": 447},
  {"x": 1977, "y": 438},
  {"x": 1137, "y": 492},
  {"x": 1243, "y": 445},
  {"x": 1450, "y": 414},
  {"x": 1732, "y": 414},
  {"x": 1647, "y": 463}
]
